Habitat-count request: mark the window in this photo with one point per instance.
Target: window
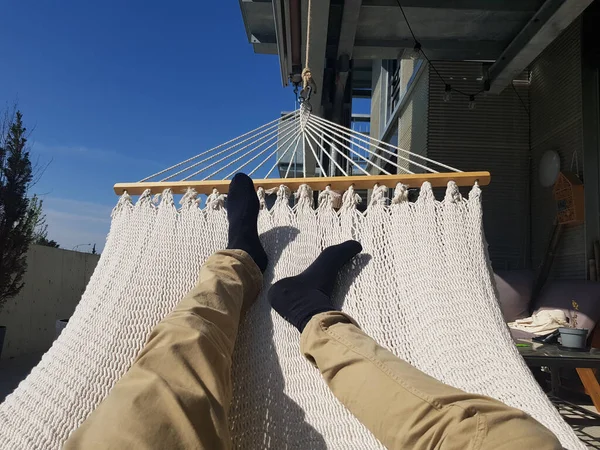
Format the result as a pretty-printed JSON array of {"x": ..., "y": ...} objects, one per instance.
[
  {"x": 392, "y": 67},
  {"x": 401, "y": 75}
]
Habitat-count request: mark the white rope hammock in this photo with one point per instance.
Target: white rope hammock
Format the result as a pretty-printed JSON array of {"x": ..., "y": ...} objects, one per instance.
[{"x": 422, "y": 288}]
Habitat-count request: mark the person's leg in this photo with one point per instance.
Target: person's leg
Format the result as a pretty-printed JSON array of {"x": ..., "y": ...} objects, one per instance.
[
  {"x": 176, "y": 395},
  {"x": 403, "y": 407}
]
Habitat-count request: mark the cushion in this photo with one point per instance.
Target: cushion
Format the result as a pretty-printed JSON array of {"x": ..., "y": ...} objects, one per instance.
[
  {"x": 559, "y": 294},
  {"x": 514, "y": 293}
]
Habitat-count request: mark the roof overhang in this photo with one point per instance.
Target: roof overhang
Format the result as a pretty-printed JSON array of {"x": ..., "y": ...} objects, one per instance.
[{"x": 508, "y": 33}]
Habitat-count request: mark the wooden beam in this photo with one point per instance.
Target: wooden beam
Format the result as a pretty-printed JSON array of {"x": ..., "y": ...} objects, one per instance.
[
  {"x": 348, "y": 27},
  {"x": 316, "y": 183},
  {"x": 590, "y": 382}
]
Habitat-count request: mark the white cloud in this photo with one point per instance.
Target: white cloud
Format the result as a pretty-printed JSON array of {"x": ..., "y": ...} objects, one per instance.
[
  {"x": 98, "y": 155},
  {"x": 89, "y": 209},
  {"x": 74, "y": 222},
  {"x": 69, "y": 216}
]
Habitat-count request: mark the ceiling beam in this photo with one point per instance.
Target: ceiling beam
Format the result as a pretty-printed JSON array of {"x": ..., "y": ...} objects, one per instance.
[
  {"x": 436, "y": 49},
  {"x": 489, "y": 5},
  {"x": 361, "y": 93},
  {"x": 348, "y": 28},
  {"x": 433, "y": 44},
  {"x": 282, "y": 36},
  {"x": 316, "y": 43},
  {"x": 545, "y": 26},
  {"x": 314, "y": 46}
]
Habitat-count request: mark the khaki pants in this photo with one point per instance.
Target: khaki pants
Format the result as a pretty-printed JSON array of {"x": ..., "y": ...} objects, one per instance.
[{"x": 177, "y": 393}]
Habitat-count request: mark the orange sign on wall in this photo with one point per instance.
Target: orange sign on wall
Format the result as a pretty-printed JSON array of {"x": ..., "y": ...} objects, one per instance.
[{"x": 568, "y": 193}]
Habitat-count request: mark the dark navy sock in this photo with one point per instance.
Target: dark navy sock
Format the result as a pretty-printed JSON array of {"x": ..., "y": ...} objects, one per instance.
[
  {"x": 242, "y": 212},
  {"x": 297, "y": 299}
]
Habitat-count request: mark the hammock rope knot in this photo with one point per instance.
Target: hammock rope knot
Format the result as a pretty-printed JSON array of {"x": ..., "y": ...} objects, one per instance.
[
  {"x": 452, "y": 193},
  {"x": 400, "y": 194},
  {"x": 166, "y": 199},
  {"x": 379, "y": 196},
  {"x": 155, "y": 200},
  {"x": 304, "y": 196},
  {"x": 189, "y": 199},
  {"x": 145, "y": 199},
  {"x": 426, "y": 194},
  {"x": 328, "y": 198},
  {"x": 475, "y": 192},
  {"x": 124, "y": 202},
  {"x": 215, "y": 200},
  {"x": 283, "y": 193},
  {"x": 260, "y": 193},
  {"x": 350, "y": 199}
]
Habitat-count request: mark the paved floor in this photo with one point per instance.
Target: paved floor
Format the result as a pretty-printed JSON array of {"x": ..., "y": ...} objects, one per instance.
[
  {"x": 577, "y": 411},
  {"x": 583, "y": 418},
  {"x": 13, "y": 370}
]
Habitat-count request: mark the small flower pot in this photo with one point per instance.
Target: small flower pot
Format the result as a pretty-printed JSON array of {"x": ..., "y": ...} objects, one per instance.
[
  {"x": 573, "y": 337},
  {"x": 60, "y": 325}
]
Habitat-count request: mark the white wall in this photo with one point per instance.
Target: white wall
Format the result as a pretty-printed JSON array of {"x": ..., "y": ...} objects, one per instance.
[{"x": 54, "y": 282}]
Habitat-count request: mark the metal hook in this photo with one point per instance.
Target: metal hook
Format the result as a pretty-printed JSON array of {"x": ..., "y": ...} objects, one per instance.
[
  {"x": 305, "y": 93},
  {"x": 305, "y": 97}
]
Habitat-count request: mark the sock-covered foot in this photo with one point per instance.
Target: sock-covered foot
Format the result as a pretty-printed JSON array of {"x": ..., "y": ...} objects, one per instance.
[
  {"x": 242, "y": 212},
  {"x": 297, "y": 299}
]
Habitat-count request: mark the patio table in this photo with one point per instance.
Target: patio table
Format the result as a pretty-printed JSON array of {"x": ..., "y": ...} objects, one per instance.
[{"x": 552, "y": 356}]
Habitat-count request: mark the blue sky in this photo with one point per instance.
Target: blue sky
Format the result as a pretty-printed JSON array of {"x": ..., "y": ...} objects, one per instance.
[{"x": 116, "y": 90}]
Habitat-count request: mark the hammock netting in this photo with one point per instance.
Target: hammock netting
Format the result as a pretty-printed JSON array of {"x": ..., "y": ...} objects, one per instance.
[{"x": 422, "y": 288}]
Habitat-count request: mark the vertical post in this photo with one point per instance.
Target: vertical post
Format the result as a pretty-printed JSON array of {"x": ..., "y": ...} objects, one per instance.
[
  {"x": 342, "y": 102},
  {"x": 315, "y": 24}
]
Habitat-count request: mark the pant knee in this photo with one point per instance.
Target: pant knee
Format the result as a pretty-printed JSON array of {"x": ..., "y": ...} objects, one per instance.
[{"x": 521, "y": 432}]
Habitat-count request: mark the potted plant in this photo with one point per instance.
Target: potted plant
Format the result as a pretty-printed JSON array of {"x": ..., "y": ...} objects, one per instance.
[{"x": 573, "y": 337}]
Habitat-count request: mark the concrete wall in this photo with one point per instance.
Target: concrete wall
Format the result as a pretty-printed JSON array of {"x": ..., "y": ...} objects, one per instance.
[
  {"x": 54, "y": 282},
  {"x": 413, "y": 121},
  {"x": 377, "y": 119}
]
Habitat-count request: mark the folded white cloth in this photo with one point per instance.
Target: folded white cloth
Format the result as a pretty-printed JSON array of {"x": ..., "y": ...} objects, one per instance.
[{"x": 542, "y": 322}]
